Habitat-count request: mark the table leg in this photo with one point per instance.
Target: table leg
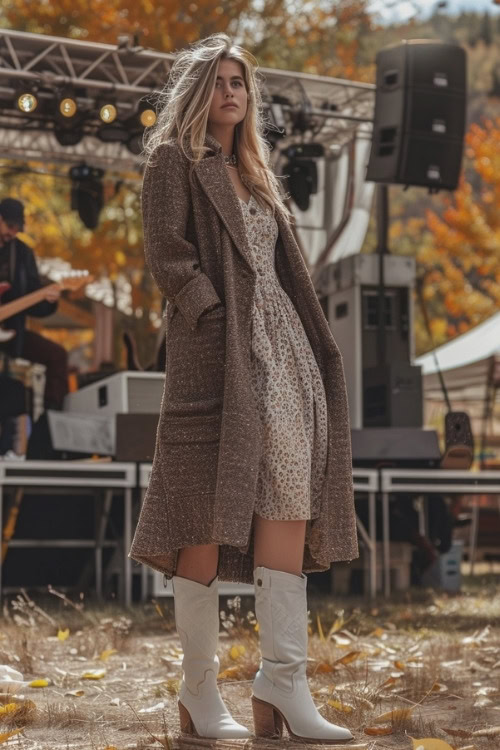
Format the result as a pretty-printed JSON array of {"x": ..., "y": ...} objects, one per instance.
[
  {"x": 473, "y": 535},
  {"x": 1, "y": 541},
  {"x": 144, "y": 568},
  {"x": 102, "y": 523},
  {"x": 385, "y": 542},
  {"x": 372, "y": 526},
  {"x": 127, "y": 541}
]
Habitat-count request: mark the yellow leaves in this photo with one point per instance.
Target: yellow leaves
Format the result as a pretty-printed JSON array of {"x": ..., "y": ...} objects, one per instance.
[
  {"x": 377, "y": 731},
  {"x": 8, "y": 708},
  {"x": 39, "y": 683},
  {"x": 340, "y": 706},
  {"x": 63, "y": 634},
  {"x": 396, "y": 715},
  {"x": 348, "y": 658},
  {"x": 323, "y": 668},
  {"x": 7, "y": 735},
  {"x": 93, "y": 674},
  {"x": 229, "y": 673},
  {"x": 172, "y": 685},
  {"x": 107, "y": 653},
  {"x": 236, "y": 652},
  {"x": 390, "y": 681},
  {"x": 320, "y": 630},
  {"x": 430, "y": 744}
]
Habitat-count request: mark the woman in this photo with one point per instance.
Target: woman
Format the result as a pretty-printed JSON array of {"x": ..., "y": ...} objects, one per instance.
[{"x": 251, "y": 478}]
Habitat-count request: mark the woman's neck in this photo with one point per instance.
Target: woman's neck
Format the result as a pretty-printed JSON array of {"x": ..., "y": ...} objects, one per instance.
[{"x": 224, "y": 136}]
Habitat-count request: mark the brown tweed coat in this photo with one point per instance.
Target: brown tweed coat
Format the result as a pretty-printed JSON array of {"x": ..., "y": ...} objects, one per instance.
[{"x": 208, "y": 443}]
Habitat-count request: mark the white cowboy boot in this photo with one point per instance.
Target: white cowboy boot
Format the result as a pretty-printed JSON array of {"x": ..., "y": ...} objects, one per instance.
[
  {"x": 280, "y": 689},
  {"x": 201, "y": 709}
]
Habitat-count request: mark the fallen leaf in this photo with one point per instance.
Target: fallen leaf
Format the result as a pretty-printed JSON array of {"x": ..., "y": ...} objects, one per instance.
[
  {"x": 173, "y": 686},
  {"x": 390, "y": 681},
  {"x": 107, "y": 653},
  {"x": 4, "y": 737},
  {"x": 399, "y": 665},
  {"x": 430, "y": 744},
  {"x": 39, "y": 683},
  {"x": 237, "y": 651},
  {"x": 93, "y": 674},
  {"x": 377, "y": 633},
  {"x": 462, "y": 733},
  {"x": 63, "y": 634},
  {"x": 348, "y": 658},
  {"x": 490, "y": 732},
  {"x": 340, "y": 706},
  {"x": 8, "y": 708},
  {"x": 438, "y": 688},
  {"x": 153, "y": 709},
  {"x": 228, "y": 673},
  {"x": 378, "y": 731},
  {"x": 76, "y": 693},
  {"x": 398, "y": 714},
  {"x": 337, "y": 625},
  {"x": 324, "y": 668},
  {"x": 320, "y": 629}
]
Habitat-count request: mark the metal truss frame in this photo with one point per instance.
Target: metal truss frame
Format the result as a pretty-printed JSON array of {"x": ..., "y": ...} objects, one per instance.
[{"x": 326, "y": 110}]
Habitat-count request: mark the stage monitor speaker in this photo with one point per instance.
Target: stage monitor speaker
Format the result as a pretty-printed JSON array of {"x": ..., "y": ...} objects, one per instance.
[
  {"x": 420, "y": 114},
  {"x": 392, "y": 396},
  {"x": 402, "y": 448}
]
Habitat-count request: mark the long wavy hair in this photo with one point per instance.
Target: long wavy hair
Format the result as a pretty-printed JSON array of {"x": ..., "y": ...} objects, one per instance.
[{"x": 182, "y": 114}]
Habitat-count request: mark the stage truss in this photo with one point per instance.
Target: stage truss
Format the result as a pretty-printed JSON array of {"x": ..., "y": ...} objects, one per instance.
[{"x": 311, "y": 107}]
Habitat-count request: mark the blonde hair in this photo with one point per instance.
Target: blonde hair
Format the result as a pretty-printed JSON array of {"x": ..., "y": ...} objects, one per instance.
[{"x": 182, "y": 115}]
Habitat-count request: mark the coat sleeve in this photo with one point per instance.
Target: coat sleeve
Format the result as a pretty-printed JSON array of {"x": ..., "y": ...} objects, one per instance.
[{"x": 173, "y": 261}]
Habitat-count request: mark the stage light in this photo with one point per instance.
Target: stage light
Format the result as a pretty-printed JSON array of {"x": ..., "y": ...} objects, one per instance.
[
  {"x": 108, "y": 113},
  {"x": 302, "y": 181},
  {"x": 68, "y": 107},
  {"x": 148, "y": 117},
  {"x": 87, "y": 194},
  {"x": 27, "y": 102},
  {"x": 134, "y": 143},
  {"x": 68, "y": 136},
  {"x": 115, "y": 132}
]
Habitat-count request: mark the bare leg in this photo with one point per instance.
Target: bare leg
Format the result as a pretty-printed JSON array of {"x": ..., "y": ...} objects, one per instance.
[
  {"x": 198, "y": 563},
  {"x": 279, "y": 545}
]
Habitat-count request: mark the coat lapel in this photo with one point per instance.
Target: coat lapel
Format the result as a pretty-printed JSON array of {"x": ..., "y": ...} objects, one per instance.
[{"x": 216, "y": 183}]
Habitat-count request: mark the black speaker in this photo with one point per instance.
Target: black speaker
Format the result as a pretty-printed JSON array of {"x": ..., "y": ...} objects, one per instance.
[
  {"x": 392, "y": 396},
  {"x": 420, "y": 112}
]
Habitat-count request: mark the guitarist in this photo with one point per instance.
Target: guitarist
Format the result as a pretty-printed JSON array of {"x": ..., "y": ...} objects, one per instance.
[{"x": 18, "y": 267}]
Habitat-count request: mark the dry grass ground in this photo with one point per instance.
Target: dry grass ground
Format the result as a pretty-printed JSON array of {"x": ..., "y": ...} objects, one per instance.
[{"x": 435, "y": 656}]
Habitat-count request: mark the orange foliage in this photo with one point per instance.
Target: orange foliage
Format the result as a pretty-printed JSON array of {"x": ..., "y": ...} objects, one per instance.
[{"x": 461, "y": 255}]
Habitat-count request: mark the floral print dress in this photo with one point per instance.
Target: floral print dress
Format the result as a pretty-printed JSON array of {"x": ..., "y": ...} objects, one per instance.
[{"x": 287, "y": 385}]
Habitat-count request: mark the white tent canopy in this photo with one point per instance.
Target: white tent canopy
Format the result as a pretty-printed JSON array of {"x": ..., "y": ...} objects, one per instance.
[{"x": 466, "y": 363}]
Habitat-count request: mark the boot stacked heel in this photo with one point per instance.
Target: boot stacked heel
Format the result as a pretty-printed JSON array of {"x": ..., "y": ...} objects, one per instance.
[
  {"x": 267, "y": 721},
  {"x": 187, "y": 726}
]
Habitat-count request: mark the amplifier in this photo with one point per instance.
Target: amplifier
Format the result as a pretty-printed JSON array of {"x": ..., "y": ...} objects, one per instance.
[
  {"x": 396, "y": 447},
  {"x": 121, "y": 393}
]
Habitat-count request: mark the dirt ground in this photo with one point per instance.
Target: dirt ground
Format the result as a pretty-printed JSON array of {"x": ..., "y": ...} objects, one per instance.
[{"x": 429, "y": 660}]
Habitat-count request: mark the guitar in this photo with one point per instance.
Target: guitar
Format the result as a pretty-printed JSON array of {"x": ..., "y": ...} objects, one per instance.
[{"x": 74, "y": 280}]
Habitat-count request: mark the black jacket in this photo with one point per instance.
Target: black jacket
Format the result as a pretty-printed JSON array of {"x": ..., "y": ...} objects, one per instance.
[{"x": 24, "y": 278}]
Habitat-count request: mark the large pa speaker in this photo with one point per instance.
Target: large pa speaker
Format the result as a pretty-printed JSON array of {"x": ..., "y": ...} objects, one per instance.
[
  {"x": 392, "y": 395},
  {"x": 420, "y": 112}
]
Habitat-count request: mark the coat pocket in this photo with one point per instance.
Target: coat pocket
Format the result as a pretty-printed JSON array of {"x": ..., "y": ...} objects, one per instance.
[
  {"x": 195, "y": 367},
  {"x": 189, "y": 458}
]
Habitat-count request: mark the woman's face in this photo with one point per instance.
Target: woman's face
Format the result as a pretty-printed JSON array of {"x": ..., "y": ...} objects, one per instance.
[{"x": 229, "y": 89}]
